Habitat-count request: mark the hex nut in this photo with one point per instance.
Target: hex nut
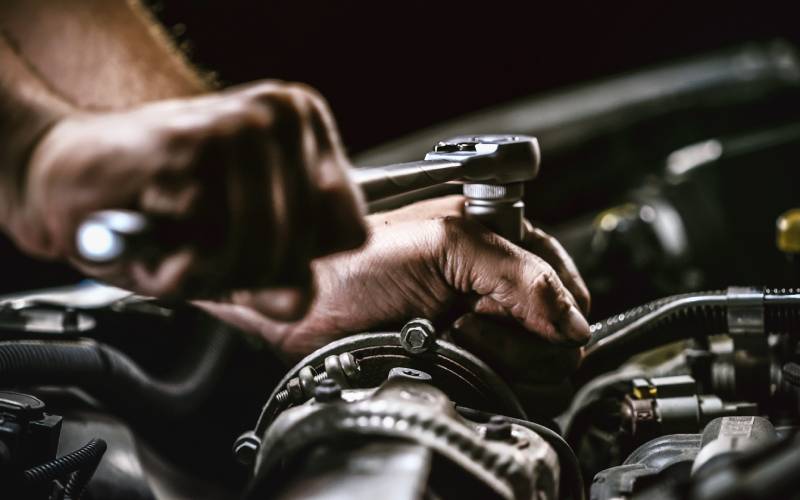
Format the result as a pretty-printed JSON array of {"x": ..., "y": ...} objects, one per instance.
[
  {"x": 246, "y": 448},
  {"x": 307, "y": 382},
  {"x": 294, "y": 390},
  {"x": 417, "y": 336},
  {"x": 498, "y": 428}
]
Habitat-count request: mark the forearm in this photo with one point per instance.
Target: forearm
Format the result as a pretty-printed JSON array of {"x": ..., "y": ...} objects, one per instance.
[
  {"x": 100, "y": 54},
  {"x": 27, "y": 109},
  {"x": 61, "y": 57}
]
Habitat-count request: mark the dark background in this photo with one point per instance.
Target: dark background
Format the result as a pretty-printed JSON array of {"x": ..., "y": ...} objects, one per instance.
[{"x": 391, "y": 67}]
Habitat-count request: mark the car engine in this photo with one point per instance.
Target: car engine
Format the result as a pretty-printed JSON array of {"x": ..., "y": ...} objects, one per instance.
[{"x": 674, "y": 188}]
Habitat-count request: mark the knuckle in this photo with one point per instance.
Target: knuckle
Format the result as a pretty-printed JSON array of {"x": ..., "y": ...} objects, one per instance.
[
  {"x": 304, "y": 91},
  {"x": 547, "y": 279},
  {"x": 295, "y": 95},
  {"x": 256, "y": 118}
]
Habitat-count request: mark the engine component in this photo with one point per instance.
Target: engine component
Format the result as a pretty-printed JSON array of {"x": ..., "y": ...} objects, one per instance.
[
  {"x": 788, "y": 231},
  {"x": 417, "y": 336},
  {"x": 504, "y": 459},
  {"x": 668, "y": 405},
  {"x": 465, "y": 378},
  {"x": 765, "y": 472},
  {"x": 685, "y": 316},
  {"x": 729, "y": 436},
  {"x": 40, "y": 317},
  {"x": 108, "y": 373},
  {"x": 787, "y": 239},
  {"x": 29, "y": 440},
  {"x": 77, "y": 467},
  {"x": 669, "y": 460},
  {"x": 28, "y": 436}
]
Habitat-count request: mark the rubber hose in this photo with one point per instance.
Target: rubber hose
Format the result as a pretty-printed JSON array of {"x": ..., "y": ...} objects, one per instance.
[
  {"x": 83, "y": 461},
  {"x": 610, "y": 325},
  {"x": 678, "y": 317},
  {"x": 113, "y": 377},
  {"x": 80, "y": 479}
]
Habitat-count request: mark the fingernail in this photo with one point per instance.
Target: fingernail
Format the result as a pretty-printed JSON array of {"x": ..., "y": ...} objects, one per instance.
[{"x": 575, "y": 326}]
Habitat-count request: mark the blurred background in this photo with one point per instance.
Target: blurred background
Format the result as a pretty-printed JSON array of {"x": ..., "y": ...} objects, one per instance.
[{"x": 392, "y": 67}]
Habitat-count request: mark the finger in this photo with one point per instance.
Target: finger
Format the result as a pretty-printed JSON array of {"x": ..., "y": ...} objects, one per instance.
[
  {"x": 340, "y": 200},
  {"x": 516, "y": 283},
  {"x": 542, "y": 311},
  {"x": 170, "y": 278},
  {"x": 314, "y": 154},
  {"x": 278, "y": 304},
  {"x": 247, "y": 319},
  {"x": 343, "y": 207},
  {"x": 268, "y": 197},
  {"x": 549, "y": 249}
]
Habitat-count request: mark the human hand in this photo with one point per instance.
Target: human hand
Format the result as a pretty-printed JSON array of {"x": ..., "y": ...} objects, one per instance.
[
  {"x": 252, "y": 178},
  {"x": 427, "y": 260}
]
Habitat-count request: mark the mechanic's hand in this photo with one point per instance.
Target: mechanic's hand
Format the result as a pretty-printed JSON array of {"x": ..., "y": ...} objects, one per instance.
[
  {"x": 252, "y": 177},
  {"x": 427, "y": 260}
]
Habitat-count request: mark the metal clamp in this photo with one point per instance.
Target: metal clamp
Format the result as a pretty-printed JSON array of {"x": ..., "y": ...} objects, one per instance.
[{"x": 745, "y": 310}]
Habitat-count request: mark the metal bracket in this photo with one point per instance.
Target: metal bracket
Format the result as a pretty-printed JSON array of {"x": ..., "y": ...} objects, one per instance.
[{"x": 745, "y": 310}]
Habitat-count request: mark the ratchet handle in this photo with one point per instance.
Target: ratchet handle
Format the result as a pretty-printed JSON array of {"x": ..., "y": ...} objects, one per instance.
[
  {"x": 107, "y": 235},
  {"x": 493, "y": 168}
]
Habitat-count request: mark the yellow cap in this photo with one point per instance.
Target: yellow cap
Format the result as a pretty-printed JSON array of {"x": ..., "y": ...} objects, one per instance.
[{"x": 788, "y": 233}]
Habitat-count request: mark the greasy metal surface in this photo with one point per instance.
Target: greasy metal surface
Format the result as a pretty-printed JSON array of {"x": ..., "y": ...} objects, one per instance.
[
  {"x": 414, "y": 411},
  {"x": 386, "y": 349},
  {"x": 392, "y": 470},
  {"x": 745, "y": 310}
]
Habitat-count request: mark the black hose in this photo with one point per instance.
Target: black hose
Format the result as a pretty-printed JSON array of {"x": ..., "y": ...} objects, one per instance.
[
  {"x": 611, "y": 325},
  {"x": 80, "y": 479},
  {"x": 571, "y": 477},
  {"x": 80, "y": 464},
  {"x": 113, "y": 377},
  {"x": 566, "y": 457},
  {"x": 678, "y": 317}
]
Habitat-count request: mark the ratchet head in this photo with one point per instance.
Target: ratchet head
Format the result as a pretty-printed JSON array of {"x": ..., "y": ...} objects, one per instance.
[
  {"x": 491, "y": 159},
  {"x": 493, "y": 170}
]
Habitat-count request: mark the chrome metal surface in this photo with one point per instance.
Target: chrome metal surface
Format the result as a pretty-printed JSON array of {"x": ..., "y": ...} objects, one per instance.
[{"x": 745, "y": 310}]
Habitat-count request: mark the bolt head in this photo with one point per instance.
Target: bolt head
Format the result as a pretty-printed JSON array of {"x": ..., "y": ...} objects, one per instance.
[
  {"x": 417, "y": 336},
  {"x": 350, "y": 365},
  {"x": 295, "y": 390},
  {"x": 328, "y": 391},
  {"x": 498, "y": 429},
  {"x": 409, "y": 374},
  {"x": 246, "y": 448}
]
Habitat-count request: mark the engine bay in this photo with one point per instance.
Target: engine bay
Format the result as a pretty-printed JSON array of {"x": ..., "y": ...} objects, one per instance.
[{"x": 675, "y": 191}]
